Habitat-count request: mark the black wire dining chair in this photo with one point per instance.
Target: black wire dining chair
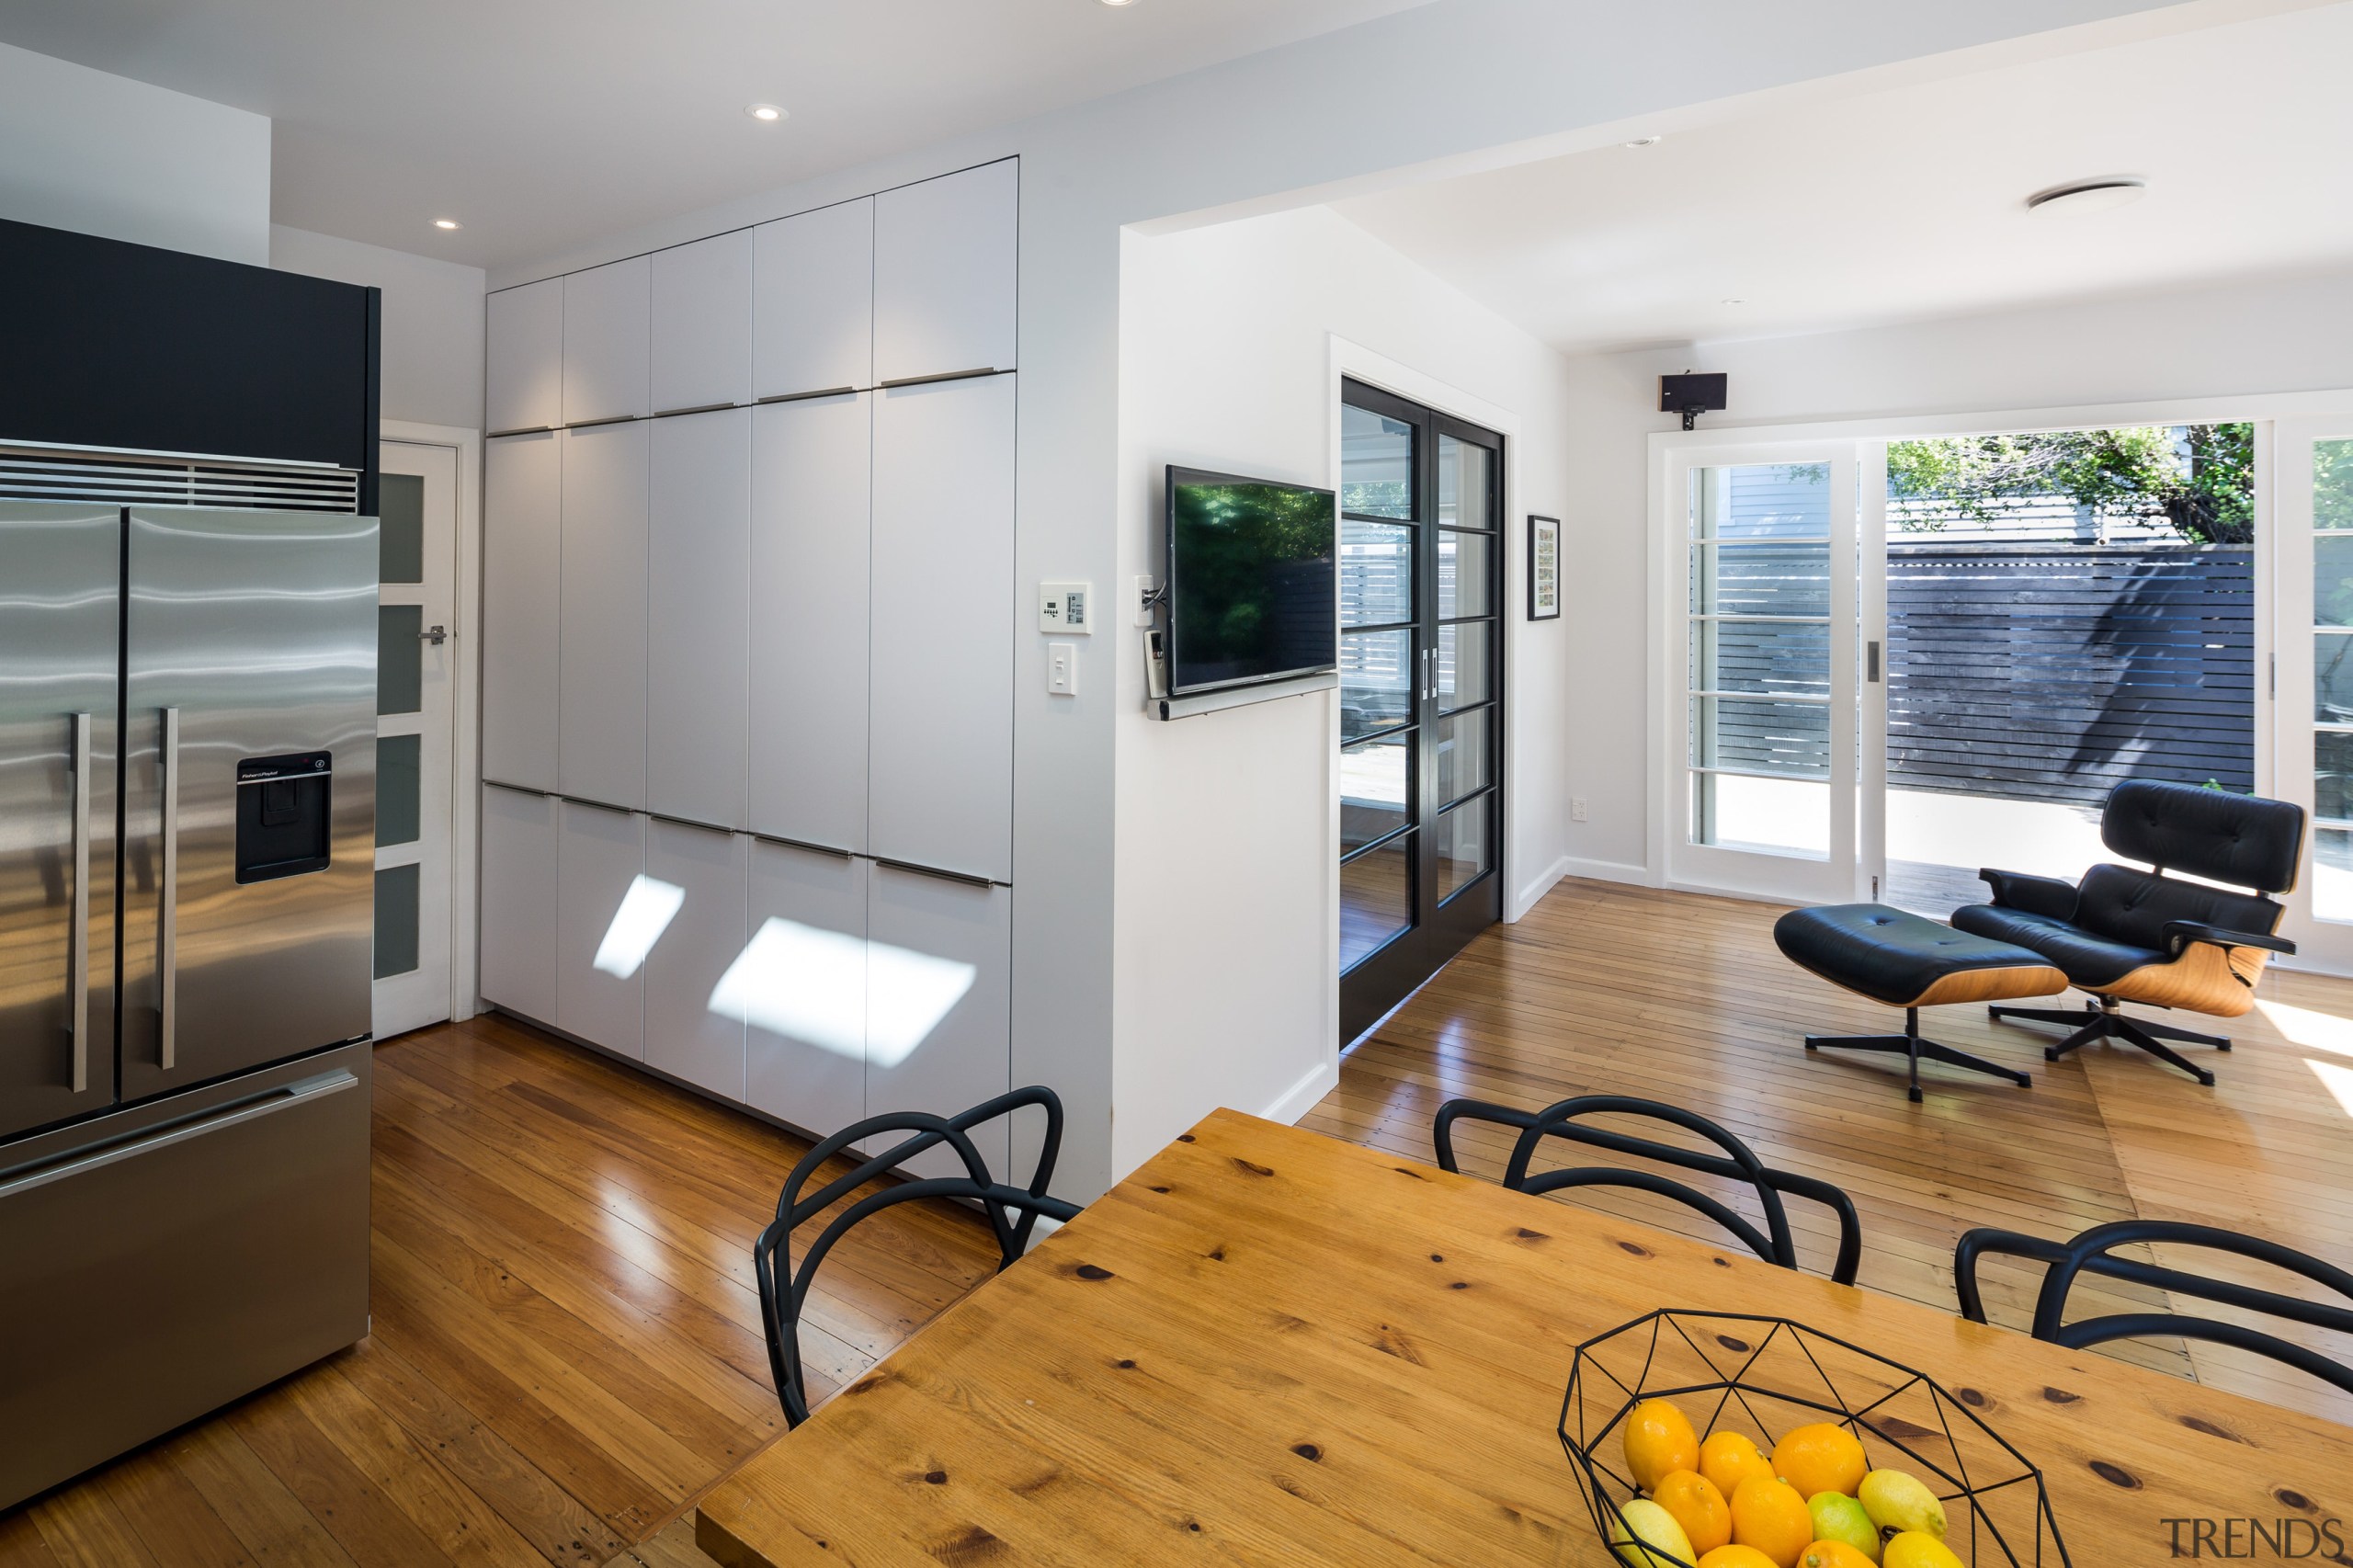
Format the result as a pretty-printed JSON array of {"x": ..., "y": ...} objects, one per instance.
[
  {"x": 1739, "y": 1162},
  {"x": 2089, "y": 1253},
  {"x": 784, "y": 1287}
]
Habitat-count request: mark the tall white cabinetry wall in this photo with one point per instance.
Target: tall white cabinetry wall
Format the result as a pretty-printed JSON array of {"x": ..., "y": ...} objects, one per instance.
[{"x": 748, "y": 652}]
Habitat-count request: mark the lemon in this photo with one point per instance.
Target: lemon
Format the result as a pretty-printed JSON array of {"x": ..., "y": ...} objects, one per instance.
[
  {"x": 1838, "y": 1516},
  {"x": 1915, "y": 1548},
  {"x": 1897, "y": 1502},
  {"x": 1646, "y": 1536}
]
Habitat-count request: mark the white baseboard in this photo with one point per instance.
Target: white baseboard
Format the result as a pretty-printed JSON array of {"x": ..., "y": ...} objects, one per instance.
[
  {"x": 1608, "y": 871},
  {"x": 1301, "y": 1097}
]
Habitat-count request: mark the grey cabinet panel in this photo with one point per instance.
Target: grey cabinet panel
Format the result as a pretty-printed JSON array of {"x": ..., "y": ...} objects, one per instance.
[
  {"x": 523, "y": 380},
  {"x": 599, "y": 949},
  {"x": 944, "y": 260},
  {"x": 811, "y": 508},
  {"x": 518, "y": 902},
  {"x": 801, "y": 987},
  {"x": 813, "y": 293},
  {"x": 600, "y": 727},
  {"x": 940, "y": 752},
  {"x": 697, "y": 616},
  {"x": 684, "y": 1035},
  {"x": 702, "y": 322},
  {"x": 938, "y": 1033},
  {"x": 607, "y": 342},
  {"x": 521, "y": 590}
]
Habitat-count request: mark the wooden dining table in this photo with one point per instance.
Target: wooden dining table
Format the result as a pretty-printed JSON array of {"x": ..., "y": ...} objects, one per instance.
[{"x": 1270, "y": 1347}]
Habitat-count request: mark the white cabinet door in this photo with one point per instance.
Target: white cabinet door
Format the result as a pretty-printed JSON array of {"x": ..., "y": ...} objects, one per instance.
[
  {"x": 813, "y": 300},
  {"x": 697, "y": 616},
  {"x": 600, "y": 728},
  {"x": 938, "y": 1031},
  {"x": 941, "y": 750},
  {"x": 684, "y": 1036},
  {"x": 600, "y": 945},
  {"x": 944, "y": 256},
  {"x": 702, "y": 322},
  {"x": 518, "y": 902},
  {"x": 523, "y": 383},
  {"x": 605, "y": 342},
  {"x": 811, "y": 506},
  {"x": 800, "y": 986},
  {"x": 522, "y": 550}
]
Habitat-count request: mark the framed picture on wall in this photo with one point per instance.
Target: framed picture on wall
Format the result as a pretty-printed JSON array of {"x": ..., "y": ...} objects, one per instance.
[{"x": 1544, "y": 568}]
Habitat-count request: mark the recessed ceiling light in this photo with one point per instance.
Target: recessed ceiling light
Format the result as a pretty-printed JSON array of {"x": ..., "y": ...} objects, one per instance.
[
  {"x": 445, "y": 222},
  {"x": 2079, "y": 198},
  {"x": 1735, "y": 300},
  {"x": 1643, "y": 141},
  {"x": 767, "y": 113},
  {"x": 1119, "y": 2}
]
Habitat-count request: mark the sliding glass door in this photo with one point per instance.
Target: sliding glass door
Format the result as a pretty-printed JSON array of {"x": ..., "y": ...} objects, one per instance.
[
  {"x": 1421, "y": 695},
  {"x": 2311, "y": 469}
]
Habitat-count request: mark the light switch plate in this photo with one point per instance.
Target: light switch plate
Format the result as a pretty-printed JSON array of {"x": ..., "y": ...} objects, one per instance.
[
  {"x": 1061, "y": 668},
  {"x": 1066, "y": 609}
]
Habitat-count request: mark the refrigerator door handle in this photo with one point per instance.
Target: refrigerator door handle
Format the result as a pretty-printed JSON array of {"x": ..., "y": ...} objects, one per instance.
[
  {"x": 167, "y": 942},
  {"x": 78, "y": 946}
]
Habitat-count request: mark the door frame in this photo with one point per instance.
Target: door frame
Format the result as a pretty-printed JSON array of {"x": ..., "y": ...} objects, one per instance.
[
  {"x": 2263, "y": 410},
  {"x": 1351, "y": 361},
  {"x": 465, "y": 716}
]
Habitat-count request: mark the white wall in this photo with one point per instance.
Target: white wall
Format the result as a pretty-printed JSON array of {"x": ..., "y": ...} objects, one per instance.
[
  {"x": 432, "y": 321},
  {"x": 2247, "y": 337},
  {"x": 1227, "y": 869},
  {"x": 1450, "y": 84},
  {"x": 103, "y": 154}
]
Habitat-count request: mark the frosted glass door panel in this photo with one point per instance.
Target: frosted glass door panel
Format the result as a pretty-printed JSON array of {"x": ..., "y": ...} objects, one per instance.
[
  {"x": 607, "y": 919},
  {"x": 800, "y": 987},
  {"x": 941, "y": 749},
  {"x": 601, "y": 684},
  {"x": 813, "y": 291},
  {"x": 702, "y": 322},
  {"x": 522, "y": 579},
  {"x": 939, "y": 1023},
  {"x": 523, "y": 385},
  {"x": 944, "y": 257},
  {"x": 605, "y": 342},
  {"x": 810, "y": 504},
  {"x": 684, "y": 1036},
  {"x": 518, "y": 902},
  {"x": 697, "y": 616}
]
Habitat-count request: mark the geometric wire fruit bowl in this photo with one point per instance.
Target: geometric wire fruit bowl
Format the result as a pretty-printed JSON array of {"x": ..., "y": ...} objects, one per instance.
[{"x": 1760, "y": 1376}]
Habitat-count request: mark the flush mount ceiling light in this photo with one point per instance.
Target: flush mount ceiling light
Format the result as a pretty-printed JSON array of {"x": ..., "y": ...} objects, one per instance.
[
  {"x": 1735, "y": 299},
  {"x": 1642, "y": 142},
  {"x": 766, "y": 114},
  {"x": 1119, "y": 2},
  {"x": 445, "y": 222},
  {"x": 2081, "y": 198}
]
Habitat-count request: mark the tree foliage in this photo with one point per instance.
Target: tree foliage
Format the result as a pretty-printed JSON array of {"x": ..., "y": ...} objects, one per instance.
[{"x": 2199, "y": 478}]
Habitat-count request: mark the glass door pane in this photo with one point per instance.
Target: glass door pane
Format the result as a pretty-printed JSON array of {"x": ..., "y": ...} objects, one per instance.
[{"x": 2324, "y": 465}]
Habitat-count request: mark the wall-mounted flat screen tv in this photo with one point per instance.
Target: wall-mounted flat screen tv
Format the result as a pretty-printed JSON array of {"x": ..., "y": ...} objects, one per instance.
[{"x": 1251, "y": 583}]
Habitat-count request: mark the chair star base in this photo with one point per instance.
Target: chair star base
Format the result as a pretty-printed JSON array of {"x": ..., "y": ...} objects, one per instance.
[
  {"x": 2106, "y": 1021},
  {"x": 1915, "y": 1050}
]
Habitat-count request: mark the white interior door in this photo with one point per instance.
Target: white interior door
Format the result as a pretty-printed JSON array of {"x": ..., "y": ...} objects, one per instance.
[
  {"x": 1761, "y": 557},
  {"x": 2312, "y": 533},
  {"x": 415, "y": 729}
]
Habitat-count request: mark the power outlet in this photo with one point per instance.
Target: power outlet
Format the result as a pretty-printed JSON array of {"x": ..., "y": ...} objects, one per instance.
[
  {"x": 1140, "y": 601},
  {"x": 1576, "y": 808}
]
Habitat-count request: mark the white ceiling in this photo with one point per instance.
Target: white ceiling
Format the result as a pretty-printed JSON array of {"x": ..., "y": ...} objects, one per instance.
[
  {"x": 1910, "y": 202},
  {"x": 539, "y": 124}
]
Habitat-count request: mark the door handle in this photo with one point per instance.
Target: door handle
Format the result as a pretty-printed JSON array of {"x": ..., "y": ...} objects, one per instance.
[
  {"x": 437, "y": 635},
  {"x": 78, "y": 945},
  {"x": 1870, "y": 662},
  {"x": 167, "y": 954}
]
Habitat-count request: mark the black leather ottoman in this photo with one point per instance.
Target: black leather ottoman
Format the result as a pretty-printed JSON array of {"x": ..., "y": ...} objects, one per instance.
[{"x": 1910, "y": 962}]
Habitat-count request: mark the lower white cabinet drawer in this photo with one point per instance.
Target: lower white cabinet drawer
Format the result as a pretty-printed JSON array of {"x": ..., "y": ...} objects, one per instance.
[
  {"x": 939, "y": 1032},
  {"x": 519, "y": 854},
  {"x": 686, "y": 1036},
  {"x": 601, "y": 927},
  {"x": 801, "y": 988}
]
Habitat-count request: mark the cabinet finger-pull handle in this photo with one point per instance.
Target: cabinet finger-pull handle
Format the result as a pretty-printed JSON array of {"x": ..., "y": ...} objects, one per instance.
[
  {"x": 167, "y": 955},
  {"x": 78, "y": 945}
]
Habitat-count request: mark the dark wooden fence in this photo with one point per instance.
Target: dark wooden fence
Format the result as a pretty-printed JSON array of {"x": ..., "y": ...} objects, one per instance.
[{"x": 2055, "y": 672}]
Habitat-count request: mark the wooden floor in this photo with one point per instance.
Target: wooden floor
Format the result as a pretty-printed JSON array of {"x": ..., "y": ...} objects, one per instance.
[
  {"x": 1673, "y": 997},
  {"x": 566, "y": 1347},
  {"x": 566, "y": 1350}
]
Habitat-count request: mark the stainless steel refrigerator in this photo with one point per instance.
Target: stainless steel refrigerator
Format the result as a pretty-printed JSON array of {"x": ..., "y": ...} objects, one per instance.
[{"x": 187, "y": 704}]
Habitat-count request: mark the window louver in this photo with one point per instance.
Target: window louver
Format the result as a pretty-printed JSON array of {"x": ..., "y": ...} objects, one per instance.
[{"x": 143, "y": 479}]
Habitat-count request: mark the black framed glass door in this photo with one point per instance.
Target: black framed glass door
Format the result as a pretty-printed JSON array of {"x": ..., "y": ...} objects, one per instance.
[{"x": 1421, "y": 695}]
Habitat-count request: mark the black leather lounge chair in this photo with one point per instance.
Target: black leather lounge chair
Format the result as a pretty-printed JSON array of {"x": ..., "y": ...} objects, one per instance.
[{"x": 2131, "y": 935}]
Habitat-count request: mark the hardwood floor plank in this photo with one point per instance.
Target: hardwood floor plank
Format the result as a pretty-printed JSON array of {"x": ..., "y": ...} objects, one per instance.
[
  {"x": 85, "y": 1530},
  {"x": 21, "y": 1545},
  {"x": 171, "y": 1517},
  {"x": 258, "y": 1508},
  {"x": 363, "y": 1519}
]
